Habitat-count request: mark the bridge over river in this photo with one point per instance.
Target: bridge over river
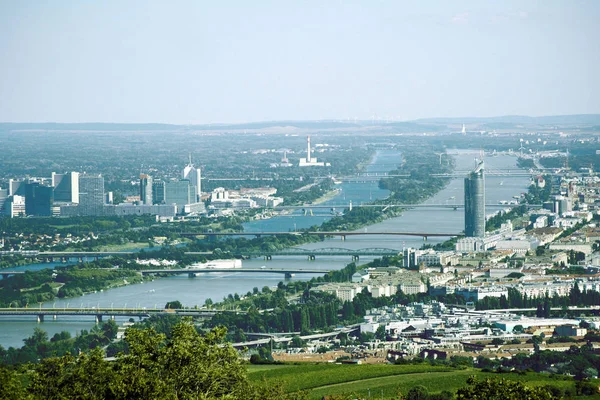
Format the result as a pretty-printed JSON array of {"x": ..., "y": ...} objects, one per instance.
[
  {"x": 194, "y": 272},
  {"x": 342, "y": 234},
  {"x": 312, "y": 254},
  {"x": 99, "y": 313}
]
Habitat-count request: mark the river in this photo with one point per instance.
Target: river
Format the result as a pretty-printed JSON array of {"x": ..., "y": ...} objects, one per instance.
[{"x": 194, "y": 291}]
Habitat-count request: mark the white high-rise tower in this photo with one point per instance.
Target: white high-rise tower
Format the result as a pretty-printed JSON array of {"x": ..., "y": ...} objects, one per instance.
[{"x": 194, "y": 175}]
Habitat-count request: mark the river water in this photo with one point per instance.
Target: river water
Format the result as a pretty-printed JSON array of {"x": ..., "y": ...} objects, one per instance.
[{"x": 194, "y": 291}]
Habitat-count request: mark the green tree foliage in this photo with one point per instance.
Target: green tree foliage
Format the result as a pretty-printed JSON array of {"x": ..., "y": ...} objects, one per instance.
[
  {"x": 174, "y": 305},
  {"x": 186, "y": 366},
  {"x": 11, "y": 387},
  {"x": 500, "y": 389}
]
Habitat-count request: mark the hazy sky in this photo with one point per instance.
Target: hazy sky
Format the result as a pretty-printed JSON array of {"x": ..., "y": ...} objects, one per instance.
[{"x": 236, "y": 61}]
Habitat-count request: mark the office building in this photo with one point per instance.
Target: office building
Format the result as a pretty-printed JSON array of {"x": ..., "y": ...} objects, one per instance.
[
  {"x": 194, "y": 176},
  {"x": 15, "y": 206},
  {"x": 38, "y": 199},
  {"x": 475, "y": 202},
  {"x": 146, "y": 189},
  {"x": 91, "y": 195},
  {"x": 158, "y": 192},
  {"x": 179, "y": 193},
  {"x": 3, "y": 199},
  {"x": 16, "y": 188},
  {"x": 66, "y": 187}
]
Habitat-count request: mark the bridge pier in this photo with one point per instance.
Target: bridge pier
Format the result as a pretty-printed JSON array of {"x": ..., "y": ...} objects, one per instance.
[
  {"x": 343, "y": 237},
  {"x": 424, "y": 238},
  {"x": 268, "y": 257},
  {"x": 54, "y": 317},
  {"x": 80, "y": 259},
  {"x": 64, "y": 259},
  {"x": 311, "y": 257},
  {"x": 355, "y": 257},
  {"x": 40, "y": 318},
  {"x": 289, "y": 275},
  {"x": 191, "y": 275},
  {"x": 98, "y": 318}
]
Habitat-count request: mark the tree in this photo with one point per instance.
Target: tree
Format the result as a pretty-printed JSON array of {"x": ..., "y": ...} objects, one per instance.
[
  {"x": 11, "y": 387},
  {"x": 418, "y": 393},
  {"x": 380, "y": 333},
  {"x": 518, "y": 329},
  {"x": 174, "y": 305},
  {"x": 110, "y": 329},
  {"x": 500, "y": 389},
  {"x": 186, "y": 366}
]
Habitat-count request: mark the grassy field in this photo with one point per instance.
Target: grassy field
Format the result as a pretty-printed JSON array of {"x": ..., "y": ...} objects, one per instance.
[{"x": 381, "y": 381}]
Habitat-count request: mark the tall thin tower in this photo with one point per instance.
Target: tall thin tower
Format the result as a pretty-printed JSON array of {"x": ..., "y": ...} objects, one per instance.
[
  {"x": 308, "y": 150},
  {"x": 475, "y": 202}
]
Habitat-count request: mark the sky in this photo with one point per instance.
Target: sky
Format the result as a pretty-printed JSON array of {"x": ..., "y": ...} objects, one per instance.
[{"x": 197, "y": 62}]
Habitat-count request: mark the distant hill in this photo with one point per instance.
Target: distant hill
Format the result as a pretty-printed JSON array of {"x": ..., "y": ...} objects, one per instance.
[
  {"x": 419, "y": 125},
  {"x": 577, "y": 119}
]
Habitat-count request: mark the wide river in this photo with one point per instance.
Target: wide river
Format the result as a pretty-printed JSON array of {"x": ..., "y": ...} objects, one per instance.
[{"x": 194, "y": 291}]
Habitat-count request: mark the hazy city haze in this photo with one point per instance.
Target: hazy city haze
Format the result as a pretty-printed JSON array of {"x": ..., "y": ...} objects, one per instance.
[{"x": 236, "y": 61}]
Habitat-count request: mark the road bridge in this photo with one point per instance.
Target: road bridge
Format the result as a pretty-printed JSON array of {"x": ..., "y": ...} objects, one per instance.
[
  {"x": 8, "y": 273},
  {"x": 342, "y": 234},
  {"x": 79, "y": 255},
  {"x": 312, "y": 254},
  {"x": 194, "y": 272},
  {"x": 98, "y": 313},
  {"x": 398, "y": 205},
  {"x": 278, "y": 339}
]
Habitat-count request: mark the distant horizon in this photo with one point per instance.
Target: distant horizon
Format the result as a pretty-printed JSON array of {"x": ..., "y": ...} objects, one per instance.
[{"x": 380, "y": 120}]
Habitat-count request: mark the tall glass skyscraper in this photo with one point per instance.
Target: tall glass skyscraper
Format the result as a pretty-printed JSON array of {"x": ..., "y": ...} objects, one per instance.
[
  {"x": 146, "y": 189},
  {"x": 475, "y": 202},
  {"x": 66, "y": 187}
]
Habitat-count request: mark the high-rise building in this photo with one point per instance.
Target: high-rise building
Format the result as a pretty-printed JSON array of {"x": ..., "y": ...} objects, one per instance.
[
  {"x": 66, "y": 187},
  {"x": 194, "y": 175},
  {"x": 475, "y": 202},
  {"x": 91, "y": 195},
  {"x": 179, "y": 193},
  {"x": 3, "y": 200},
  {"x": 158, "y": 192},
  {"x": 15, "y": 206},
  {"x": 146, "y": 189},
  {"x": 16, "y": 188},
  {"x": 38, "y": 199}
]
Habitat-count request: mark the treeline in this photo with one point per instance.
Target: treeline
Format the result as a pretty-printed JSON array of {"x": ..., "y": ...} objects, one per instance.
[
  {"x": 34, "y": 287},
  {"x": 187, "y": 365},
  {"x": 420, "y": 185},
  {"x": 581, "y": 362},
  {"x": 315, "y": 311},
  {"x": 515, "y": 299},
  {"x": 72, "y": 225},
  {"x": 38, "y": 346}
]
